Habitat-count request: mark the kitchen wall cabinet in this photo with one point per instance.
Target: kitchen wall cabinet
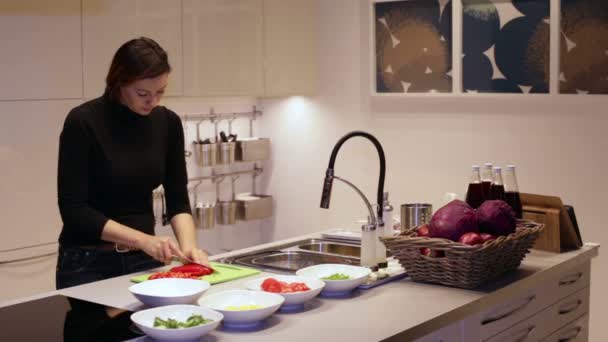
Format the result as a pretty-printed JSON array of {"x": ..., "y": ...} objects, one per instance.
[
  {"x": 290, "y": 47},
  {"x": 223, "y": 47},
  {"x": 29, "y": 136},
  {"x": 107, "y": 24},
  {"x": 261, "y": 48},
  {"x": 41, "y": 50}
]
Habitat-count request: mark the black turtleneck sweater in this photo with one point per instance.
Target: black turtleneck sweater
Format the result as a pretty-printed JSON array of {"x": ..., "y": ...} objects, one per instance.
[{"x": 110, "y": 160}]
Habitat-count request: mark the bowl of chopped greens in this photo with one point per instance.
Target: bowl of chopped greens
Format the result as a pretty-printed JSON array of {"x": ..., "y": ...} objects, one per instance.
[
  {"x": 339, "y": 279},
  {"x": 295, "y": 289},
  {"x": 243, "y": 308},
  {"x": 169, "y": 291},
  {"x": 177, "y": 322}
]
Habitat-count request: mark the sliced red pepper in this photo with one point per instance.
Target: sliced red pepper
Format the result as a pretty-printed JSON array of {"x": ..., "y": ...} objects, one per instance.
[
  {"x": 170, "y": 274},
  {"x": 194, "y": 269}
]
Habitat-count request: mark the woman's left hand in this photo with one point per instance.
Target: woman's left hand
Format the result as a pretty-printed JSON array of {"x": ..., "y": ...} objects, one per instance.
[{"x": 197, "y": 255}]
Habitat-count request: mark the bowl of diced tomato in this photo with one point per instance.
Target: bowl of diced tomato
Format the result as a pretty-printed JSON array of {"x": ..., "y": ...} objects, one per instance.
[
  {"x": 295, "y": 289},
  {"x": 169, "y": 291}
]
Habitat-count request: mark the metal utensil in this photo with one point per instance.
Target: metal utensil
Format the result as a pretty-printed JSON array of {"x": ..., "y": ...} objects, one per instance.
[{"x": 415, "y": 214}]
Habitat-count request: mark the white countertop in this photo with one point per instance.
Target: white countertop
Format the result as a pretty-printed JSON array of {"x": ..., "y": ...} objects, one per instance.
[{"x": 401, "y": 309}]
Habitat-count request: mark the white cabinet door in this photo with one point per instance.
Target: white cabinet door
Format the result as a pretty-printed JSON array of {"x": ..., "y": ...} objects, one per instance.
[
  {"x": 290, "y": 30},
  {"x": 223, "y": 47},
  {"x": 29, "y": 145},
  {"x": 107, "y": 24},
  {"x": 41, "y": 50}
]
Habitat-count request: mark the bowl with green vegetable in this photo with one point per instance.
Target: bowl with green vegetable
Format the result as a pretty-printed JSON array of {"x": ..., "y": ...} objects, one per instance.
[
  {"x": 339, "y": 279},
  {"x": 177, "y": 322},
  {"x": 243, "y": 309}
]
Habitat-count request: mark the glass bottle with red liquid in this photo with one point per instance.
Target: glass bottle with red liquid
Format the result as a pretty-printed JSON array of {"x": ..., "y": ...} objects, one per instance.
[
  {"x": 475, "y": 194},
  {"x": 486, "y": 179},
  {"x": 497, "y": 190},
  {"x": 512, "y": 191}
]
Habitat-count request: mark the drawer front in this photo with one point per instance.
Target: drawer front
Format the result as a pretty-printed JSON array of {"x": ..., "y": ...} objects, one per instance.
[
  {"x": 451, "y": 333},
  {"x": 570, "y": 281},
  {"x": 570, "y": 308},
  {"x": 577, "y": 331},
  {"x": 548, "y": 320},
  {"x": 490, "y": 322}
]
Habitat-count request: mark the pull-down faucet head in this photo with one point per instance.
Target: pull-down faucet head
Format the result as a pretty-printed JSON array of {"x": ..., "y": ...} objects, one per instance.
[{"x": 329, "y": 174}]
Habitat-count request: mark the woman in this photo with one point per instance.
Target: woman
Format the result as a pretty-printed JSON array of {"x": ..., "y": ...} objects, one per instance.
[{"x": 113, "y": 151}]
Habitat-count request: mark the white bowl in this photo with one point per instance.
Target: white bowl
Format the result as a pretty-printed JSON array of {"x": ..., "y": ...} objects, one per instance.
[
  {"x": 358, "y": 275},
  {"x": 219, "y": 301},
  {"x": 169, "y": 291},
  {"x": 293, "y": 300},
  {"x": 145, "y": 321}
]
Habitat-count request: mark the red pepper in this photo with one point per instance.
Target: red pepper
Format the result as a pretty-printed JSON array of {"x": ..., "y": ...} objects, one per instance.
[
  {"x": 170, "y": 274},
  {"x": 194, "y": 269}
]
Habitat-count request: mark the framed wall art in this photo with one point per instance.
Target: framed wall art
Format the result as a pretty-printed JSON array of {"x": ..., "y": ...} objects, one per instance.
[
  {"x": 413, "y": 46},
  {"x": 506, "y": 46},
  {"x": 584, "y": 47}
]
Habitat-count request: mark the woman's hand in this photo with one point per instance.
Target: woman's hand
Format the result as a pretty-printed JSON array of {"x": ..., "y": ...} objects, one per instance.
[
  {"x": 196, "y": 255},
  {"x": 161, "y": 248}
]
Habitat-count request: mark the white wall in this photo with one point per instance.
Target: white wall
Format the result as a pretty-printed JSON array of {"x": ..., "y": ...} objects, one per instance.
[{"x": 557, "y": 142}]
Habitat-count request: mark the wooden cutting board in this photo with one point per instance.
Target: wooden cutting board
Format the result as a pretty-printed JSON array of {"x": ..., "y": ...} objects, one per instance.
[{"x": 223, "y": 273}]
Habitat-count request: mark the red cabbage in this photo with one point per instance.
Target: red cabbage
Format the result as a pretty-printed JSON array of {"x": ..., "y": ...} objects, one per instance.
[
  {"x": 453, "y": 220},
  {"x": 496, "y": 217}
]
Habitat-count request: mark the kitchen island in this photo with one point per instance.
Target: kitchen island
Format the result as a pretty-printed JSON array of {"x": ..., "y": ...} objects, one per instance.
[{"x": 547, "y": 297}]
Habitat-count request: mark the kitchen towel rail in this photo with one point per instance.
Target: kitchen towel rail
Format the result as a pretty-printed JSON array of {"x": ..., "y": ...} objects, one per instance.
[
  {"x": 255, "y": 171},
  {"x": 213, "y": 116},
  {"x": 158, "y": 193}
]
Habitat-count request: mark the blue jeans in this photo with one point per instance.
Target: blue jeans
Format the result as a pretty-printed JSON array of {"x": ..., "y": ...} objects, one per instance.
[{"x": 80, "y": 265}]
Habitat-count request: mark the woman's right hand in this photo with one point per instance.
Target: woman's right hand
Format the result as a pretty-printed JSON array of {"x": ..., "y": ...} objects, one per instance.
[{"x": 161, "y": 248}]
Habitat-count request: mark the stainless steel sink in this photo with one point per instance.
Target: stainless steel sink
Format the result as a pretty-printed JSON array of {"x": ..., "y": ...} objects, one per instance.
[
  {"x": 328, "y": 247},
  {"x": 291, "y": 261}
]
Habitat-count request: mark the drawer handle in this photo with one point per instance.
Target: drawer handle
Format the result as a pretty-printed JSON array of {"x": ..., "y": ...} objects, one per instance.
[
  {"x": 573, "y": 307},
  {"x": 524, "y": 334},
  {"x": 575, "y": 332},
  {"x": 509, "y": 313},
  {"x": 569, "y": 280}
]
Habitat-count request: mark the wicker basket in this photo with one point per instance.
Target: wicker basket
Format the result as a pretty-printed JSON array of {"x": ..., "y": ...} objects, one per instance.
[{"x": 462, "y": 266}]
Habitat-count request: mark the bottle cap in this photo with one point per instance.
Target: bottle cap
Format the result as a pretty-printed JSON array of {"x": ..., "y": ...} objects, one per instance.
[
  {"x": 510, "y": 167},
  {"x": 475, "y": 167},
  {"x": 497, "y": 168},
  {"x": 488, "y": 165}
]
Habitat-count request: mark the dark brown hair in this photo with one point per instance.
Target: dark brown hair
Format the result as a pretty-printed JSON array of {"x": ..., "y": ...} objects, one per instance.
[{"x": 135, "y": 60}]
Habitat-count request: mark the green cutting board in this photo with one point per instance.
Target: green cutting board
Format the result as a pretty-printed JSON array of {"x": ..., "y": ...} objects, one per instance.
[{"x": 222, "y": 273}]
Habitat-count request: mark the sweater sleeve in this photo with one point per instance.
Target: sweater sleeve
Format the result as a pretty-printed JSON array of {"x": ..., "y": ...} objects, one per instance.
[
  {"x": 73, "y": 180},
  {"x": 175, "y": 183}
]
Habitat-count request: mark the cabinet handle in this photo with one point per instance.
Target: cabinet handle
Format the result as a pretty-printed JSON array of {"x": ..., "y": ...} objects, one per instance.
[
  {"x": 575, "y": 332},
  {"x": 573, "y": 307},
  {"x": 571, "y": 279},
  {"x": 524, "y": 334},
  {"x": 509, "y": 313}
]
